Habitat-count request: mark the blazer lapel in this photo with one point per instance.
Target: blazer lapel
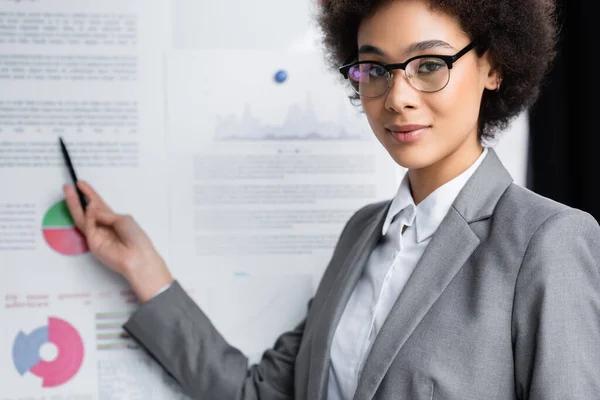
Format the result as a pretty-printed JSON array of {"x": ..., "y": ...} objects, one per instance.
[
  {"x": 449, "y": 249},
  {"x": 336, "y": 301}
]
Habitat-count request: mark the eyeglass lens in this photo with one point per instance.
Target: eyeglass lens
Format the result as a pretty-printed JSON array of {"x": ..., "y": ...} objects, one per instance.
[{"x": 428, "y": 74}]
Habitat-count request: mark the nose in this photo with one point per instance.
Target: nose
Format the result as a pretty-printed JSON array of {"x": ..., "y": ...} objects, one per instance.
[{"x": 401, "y": 94}]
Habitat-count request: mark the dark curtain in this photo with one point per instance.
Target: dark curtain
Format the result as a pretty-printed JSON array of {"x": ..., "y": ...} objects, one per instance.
[{"x": 564, "y": 153}]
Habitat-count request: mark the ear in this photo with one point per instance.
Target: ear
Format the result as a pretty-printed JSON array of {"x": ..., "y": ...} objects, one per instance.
[{"x": 490, "y": 72}]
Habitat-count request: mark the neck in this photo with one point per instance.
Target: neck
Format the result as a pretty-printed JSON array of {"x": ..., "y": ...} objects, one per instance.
[{"x": 424, "y": 181}]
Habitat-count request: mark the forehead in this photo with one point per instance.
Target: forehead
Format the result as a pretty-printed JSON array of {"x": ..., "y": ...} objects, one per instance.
[{"x": 400, "y": 23}]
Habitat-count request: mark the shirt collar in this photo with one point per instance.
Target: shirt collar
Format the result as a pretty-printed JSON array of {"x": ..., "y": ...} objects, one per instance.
[{"x": 428, "y": 215}]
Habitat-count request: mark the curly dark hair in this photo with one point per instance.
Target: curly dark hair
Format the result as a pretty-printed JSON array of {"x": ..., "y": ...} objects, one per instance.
[{"x": 521, "y": 36}]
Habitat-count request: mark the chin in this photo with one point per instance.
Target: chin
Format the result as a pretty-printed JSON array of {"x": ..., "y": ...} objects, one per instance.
[
  {"x": 409, "y": 156},
  {"x": 410, "y": 161}
]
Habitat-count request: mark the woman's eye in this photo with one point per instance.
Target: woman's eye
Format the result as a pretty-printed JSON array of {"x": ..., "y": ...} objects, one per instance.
[
  {"x": 377, "y": 71},
  {"x": 429, "y": 66}
]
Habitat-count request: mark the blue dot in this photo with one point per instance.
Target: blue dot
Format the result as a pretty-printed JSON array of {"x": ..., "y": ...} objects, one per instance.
[{"x": 280, "y": 76}]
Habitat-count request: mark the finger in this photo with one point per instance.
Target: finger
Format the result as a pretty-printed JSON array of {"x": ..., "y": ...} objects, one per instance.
[
  {"x": 91, "y": 194},
  {"x": 107, "y": 218},
  {"x": 128, "y": 230},
  {"x": 90, "y": 221},
  {"x": 123, "y": 225},
  {"x": 74, "y": 207}
]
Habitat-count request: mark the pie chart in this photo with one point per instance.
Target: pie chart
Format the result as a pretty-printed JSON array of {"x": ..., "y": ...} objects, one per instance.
[
  {"x": 26, "y": 352},
  {"x": 60, "y": 232}
]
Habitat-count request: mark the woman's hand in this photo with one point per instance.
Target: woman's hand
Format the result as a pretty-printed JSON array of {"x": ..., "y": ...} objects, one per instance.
[{"x": 118, "y": 242}]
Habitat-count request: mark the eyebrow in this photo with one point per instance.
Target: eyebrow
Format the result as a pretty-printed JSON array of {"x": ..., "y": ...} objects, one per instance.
[{"x": 412, "y": 48}]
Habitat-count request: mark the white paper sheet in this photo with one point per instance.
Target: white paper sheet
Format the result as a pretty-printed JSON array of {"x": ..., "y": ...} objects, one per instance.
[
  {"x": 264, "y": 174},
  {"x": 262, "y": 170},
  {"x": 241, "y": 24},
  {"x": 91, "y": 72}
]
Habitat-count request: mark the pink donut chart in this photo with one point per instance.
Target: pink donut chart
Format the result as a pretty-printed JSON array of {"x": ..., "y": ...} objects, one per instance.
[{"x": 26, "y": 352}]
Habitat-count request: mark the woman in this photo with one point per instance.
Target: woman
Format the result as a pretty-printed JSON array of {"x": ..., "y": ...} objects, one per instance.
[{"x": 464, "y": 286}]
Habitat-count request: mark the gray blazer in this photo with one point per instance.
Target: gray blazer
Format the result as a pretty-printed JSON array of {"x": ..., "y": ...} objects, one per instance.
[{"x": 504, "y": 304}]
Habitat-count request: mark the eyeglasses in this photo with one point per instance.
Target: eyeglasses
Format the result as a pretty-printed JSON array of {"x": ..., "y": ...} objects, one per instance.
[{"x": 427, "y": 73}]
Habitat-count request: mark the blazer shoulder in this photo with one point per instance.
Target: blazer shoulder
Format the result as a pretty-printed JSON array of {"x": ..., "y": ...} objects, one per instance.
[
  {"x": 528, "y": 207},
  {"x": 524, "y": 211},
  {"x": 527, "y": 199}
]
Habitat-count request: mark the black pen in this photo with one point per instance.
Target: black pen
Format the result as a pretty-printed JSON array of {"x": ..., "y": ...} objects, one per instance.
[{"x": 65, "y": 154}]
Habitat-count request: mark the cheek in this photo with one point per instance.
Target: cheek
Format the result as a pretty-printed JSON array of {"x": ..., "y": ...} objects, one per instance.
[
  {"x": 457, "y": 106},
  {"x": 374, "y": 108}
]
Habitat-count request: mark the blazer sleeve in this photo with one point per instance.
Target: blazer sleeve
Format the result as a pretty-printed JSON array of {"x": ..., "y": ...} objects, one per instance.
[
  {"x": 556, "y": 311},
  {"x": 173, "y": 329}
]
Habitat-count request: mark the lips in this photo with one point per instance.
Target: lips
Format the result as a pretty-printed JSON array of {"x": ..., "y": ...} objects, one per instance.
[
  {"x": 405, "y": 128},
  {"x": 410, "y": 133}
]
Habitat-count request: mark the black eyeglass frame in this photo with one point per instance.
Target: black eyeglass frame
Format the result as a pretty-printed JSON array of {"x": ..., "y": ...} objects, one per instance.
[{"x": 449, "y": 60}]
